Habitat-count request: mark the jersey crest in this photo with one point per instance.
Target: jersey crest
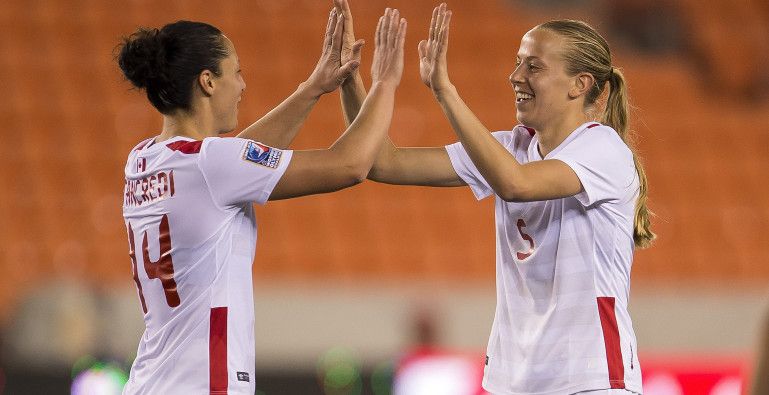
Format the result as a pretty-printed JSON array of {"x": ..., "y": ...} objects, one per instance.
[{"x": 262, "y": 155}]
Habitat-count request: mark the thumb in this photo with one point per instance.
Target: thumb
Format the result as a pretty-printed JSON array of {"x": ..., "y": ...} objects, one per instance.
[
  {"x": 422, "y": 49},
  {"x": 347, "y": 69},
  {"x": 356, "y": 47}
]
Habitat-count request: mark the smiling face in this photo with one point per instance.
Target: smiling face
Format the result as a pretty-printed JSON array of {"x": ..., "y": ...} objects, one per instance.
[
  {"x": 543, "y": 89},
  {"x": 229, "y": 89}
]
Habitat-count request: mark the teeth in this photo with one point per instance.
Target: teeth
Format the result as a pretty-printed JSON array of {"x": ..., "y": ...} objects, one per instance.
[{"x": 523, "y": 96}]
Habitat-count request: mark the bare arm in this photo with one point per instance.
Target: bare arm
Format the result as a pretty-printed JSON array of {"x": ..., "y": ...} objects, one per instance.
[
  {"x": 540, "y": 180},
  {"x": 350, "y": 158},
  {"x": 352, "y": 91},
  {"x": 407, "y": 166},
  {"x": 280, "y": 126}
]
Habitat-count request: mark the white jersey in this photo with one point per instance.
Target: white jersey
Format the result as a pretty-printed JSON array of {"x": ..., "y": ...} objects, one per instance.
[
  {"x": 192, "y": 235},
  {"x": 561, "y": 324}
]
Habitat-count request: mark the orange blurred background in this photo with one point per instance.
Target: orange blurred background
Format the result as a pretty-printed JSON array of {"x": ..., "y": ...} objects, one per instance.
[{"x": 698, "y": 78}]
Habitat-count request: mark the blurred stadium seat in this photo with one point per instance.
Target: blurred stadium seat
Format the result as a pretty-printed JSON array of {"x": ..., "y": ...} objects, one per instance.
[{"x": 70, "y": 120}]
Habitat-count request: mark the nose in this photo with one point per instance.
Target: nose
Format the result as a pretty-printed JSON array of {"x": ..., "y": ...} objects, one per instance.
[{"x": 515, "y": 76}]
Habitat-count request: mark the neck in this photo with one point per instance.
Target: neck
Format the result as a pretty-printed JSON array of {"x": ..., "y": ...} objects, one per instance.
[
  {"x": 189, "y": 125},
  {"x": 553, "y": 134}
]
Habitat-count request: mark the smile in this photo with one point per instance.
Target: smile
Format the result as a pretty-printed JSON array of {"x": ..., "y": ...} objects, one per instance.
[{"x": 521, "y": 97}]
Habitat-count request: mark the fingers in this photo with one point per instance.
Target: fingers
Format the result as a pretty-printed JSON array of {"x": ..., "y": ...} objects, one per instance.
[
  {"x": 444, "y": 35},
  {"x": 401, "y": 38},
  {"x": 439, "y": 20},
  {"x": 344, "y": 7},
  {"x": 329, "y": 28},
  {"x": 336, "y": 39},
  {"x": 386, "y": 27},
  {"x": 378, "y": 34},
  {"x": 390, "y": 31},
  {"x": 395, "y": 19},
  {"x": 346, "y": 70},
  {"x": 431, "y": 33}
]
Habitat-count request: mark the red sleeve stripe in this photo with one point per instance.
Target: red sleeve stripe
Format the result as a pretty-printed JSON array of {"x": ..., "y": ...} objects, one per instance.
[
  {"x": 611, "y": 341},
  {"x": 217, "y": 351},
  {"x": 187, "y": 147},
  {"x": 592, "y": 125}
]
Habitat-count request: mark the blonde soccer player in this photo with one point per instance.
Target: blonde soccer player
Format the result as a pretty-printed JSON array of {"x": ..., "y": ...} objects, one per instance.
[{"x": 570, "y": 206}]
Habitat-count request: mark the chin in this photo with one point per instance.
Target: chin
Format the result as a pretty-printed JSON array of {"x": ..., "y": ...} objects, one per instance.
[{"x": 527, "y": 121}]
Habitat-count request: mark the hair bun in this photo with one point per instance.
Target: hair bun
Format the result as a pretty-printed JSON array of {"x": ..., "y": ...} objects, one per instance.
[{"x": 142, "y": 57}]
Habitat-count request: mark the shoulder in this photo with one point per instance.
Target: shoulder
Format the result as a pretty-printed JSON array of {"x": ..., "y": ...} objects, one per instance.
[
  {"x": 603, "y": 134},
  {"x": 185, "y": 146},
  {"x": 139, "y": 146},
  {"x": 190, "y": 147},
  {"x": 601, "y": 140},
  {"x": 517, "y": 139}
]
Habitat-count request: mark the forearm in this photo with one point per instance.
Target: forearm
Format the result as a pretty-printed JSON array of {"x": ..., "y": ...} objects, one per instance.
[
  {"x": 497, "y": 165},
  {"x": 362, "y": 141},
  {"x": 352, "y": 95},
  {"x": 384, "y": 167},
  {"x": 279, "y": 127}
]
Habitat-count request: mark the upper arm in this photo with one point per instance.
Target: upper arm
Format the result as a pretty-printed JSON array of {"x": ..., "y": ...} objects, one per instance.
[
  {"x": 545, "y": 180},
  {"x": 603, "y": 164},
  {"x": 427, "y": 166},
  {"x": 239, "y": 171}
]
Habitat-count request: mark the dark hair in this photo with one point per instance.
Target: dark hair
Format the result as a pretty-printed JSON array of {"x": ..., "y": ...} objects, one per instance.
[{"x": 166, "y": 62}]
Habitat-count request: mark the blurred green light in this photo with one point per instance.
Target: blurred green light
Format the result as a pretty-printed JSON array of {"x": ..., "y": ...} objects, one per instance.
[{"x": 82, "y": 364}]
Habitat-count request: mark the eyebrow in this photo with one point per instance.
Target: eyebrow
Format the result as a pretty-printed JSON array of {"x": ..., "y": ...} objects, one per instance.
[{"x": 528, "y": 57}]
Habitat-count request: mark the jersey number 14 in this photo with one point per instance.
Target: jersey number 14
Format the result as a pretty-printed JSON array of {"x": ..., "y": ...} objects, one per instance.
[{"x": 162, "y": 269}]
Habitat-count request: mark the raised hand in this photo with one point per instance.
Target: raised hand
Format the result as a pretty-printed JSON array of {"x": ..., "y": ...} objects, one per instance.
[
  {"x": 388, "y": 55},
  {"x": 432, "y": 52},
  {"x": 331, "y": 71},
  {"x": 350, "y": 47}
]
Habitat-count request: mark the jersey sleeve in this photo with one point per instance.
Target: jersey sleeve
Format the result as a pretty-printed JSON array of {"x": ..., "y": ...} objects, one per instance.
[
  {"x": 240, "y": 171},
  {"x": 603, "y": 163},
  {"x": 466, "y": 169}
]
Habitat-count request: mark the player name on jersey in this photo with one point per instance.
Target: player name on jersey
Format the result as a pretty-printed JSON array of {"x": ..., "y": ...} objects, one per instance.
[{"x": 152, "y": 188}]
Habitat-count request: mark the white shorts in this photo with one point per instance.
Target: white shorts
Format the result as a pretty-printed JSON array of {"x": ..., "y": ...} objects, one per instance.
[{"x": 607, "y": 392}]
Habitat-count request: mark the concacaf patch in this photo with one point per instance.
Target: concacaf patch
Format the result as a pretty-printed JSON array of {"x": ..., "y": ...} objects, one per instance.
[{"x": 262, "y": 155}]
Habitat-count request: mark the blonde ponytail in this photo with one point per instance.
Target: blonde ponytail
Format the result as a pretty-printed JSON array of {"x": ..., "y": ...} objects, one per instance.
[
  {"x": 616, "y": 116},
  {"x": 588, "y": 52}
]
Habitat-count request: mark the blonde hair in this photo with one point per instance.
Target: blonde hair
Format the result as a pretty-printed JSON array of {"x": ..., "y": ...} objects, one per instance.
[{"x": 588, "y": 52}]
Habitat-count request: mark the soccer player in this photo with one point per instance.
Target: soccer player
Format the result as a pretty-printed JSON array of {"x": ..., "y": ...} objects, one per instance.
[
  {"x": 188, "y": 193},
  {"x": 570, "y": 206}
]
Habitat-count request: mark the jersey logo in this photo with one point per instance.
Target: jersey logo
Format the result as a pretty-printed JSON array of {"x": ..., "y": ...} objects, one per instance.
[
  {"x": 262, "y": 155},
  {"x": 243, "y": 376}
]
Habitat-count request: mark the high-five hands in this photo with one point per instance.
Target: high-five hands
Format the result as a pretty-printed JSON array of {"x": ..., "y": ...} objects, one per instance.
[
  {"x": 331, "y": 70},
  {"x": 432, "y": 52},
  {"x": 390, "y": 35},
  {"x": 351, "y": 48}
]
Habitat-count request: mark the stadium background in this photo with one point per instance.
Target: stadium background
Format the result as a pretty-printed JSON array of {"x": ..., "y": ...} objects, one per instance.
[{"x": 347, "y": 283}]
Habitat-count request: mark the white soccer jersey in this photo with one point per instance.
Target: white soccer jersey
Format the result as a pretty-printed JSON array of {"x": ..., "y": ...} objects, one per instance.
[
  {"x": 561, "y": 324},
  {"x": 192, "y": 235}
]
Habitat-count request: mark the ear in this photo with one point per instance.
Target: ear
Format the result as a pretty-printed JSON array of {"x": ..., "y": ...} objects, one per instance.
[
  {"x": 206, "y": 82},
  {"x": 583, "y": 83}
]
